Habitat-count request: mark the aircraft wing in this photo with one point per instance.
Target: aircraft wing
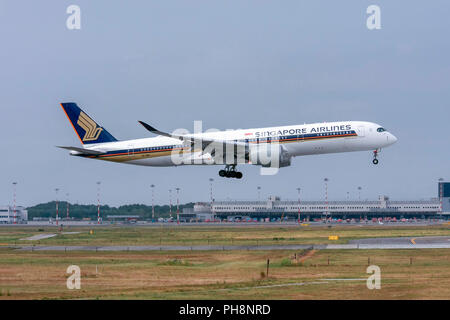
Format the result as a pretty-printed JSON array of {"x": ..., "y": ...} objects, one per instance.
[
  {"x": 238, "y": 148},
  {"x": 204, "y": 141}
]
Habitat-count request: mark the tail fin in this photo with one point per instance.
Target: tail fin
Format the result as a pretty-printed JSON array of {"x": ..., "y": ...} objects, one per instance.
[{"x": 87, "y": 129}]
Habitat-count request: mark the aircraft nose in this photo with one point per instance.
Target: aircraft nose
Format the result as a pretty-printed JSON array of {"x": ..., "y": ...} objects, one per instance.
[{"x": 392, "y": 139}]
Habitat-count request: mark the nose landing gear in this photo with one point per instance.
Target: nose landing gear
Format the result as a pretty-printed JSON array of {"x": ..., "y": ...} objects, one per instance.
[
  {"x": 375, "y": 154},
  {"x": 230, "y": 172}
]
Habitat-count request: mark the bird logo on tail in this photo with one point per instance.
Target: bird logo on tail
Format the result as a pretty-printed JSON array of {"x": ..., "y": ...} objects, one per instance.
[{"x": 88, "y": 125}]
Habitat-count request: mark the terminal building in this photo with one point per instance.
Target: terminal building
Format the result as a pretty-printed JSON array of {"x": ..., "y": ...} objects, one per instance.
[
  {"x": 8, "y": 215},
  {"x": 275, "y": 207}
]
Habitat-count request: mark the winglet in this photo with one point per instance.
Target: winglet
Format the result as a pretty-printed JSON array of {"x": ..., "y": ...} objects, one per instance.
[
  {"x": 156, "y": 131},
  {"x": 148, "y": 127}
]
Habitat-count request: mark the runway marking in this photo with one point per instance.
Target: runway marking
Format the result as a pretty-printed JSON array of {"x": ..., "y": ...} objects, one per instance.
[
  {"x": 40, "y": 236},
  {"x": 275, "y": 285},
  {"x": 321, "y": 281},
  {"x": 413, "y": 241},
  {"x": 355, "y": 279}
]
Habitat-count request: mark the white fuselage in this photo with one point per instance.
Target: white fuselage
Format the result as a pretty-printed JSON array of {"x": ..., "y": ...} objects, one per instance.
[{"x": 296, "y": 140}]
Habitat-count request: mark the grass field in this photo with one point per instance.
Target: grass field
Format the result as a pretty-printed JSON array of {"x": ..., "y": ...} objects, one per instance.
[
  {"x": 405, "y": 274},
  {"x": 214, "y": 235},
  {"x": 226, "y": 275}
]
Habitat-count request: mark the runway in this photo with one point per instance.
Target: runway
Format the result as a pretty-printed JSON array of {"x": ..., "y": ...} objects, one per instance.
[
  {"x": 40, "y": 237},
  {"x": 416, "y": 242},
  {"x": 46, "y": 236},
  {"x": 291, "y": 223},
  {"x": 372, "y": 243}
]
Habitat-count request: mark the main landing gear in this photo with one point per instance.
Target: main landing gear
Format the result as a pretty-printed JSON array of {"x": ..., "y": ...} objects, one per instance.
[
  {"x": 230, "y": 172},
  {"x": 375, "y": 154}
]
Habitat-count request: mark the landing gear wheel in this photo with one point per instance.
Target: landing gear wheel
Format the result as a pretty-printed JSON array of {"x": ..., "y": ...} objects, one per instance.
[
  {"x": 230, "y": 172},
  {"x": 375, "y": 154}
]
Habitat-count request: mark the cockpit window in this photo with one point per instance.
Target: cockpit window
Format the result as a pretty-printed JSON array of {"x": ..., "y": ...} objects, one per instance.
[{"x": 381, "y": 129}]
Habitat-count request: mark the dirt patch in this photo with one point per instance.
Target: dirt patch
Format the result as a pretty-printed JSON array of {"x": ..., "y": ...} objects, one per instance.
[{"x": 305, "y": 255}]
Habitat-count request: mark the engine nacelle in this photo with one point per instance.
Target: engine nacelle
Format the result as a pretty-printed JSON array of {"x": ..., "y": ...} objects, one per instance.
[{"x": 269, "y": 155}]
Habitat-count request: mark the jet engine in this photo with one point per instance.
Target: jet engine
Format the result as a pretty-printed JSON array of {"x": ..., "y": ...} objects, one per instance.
[{"x": 269, "y": 155}]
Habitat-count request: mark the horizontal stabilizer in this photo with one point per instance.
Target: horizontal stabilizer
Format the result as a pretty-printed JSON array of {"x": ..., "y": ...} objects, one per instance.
[{"x": 82, "y": 150}]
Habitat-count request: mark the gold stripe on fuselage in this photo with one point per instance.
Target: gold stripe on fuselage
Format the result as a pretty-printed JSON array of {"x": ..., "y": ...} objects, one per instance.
[{"x": 129, "y": 156}]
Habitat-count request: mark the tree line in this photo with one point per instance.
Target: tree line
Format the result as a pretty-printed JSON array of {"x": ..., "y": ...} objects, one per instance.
[{"x": 80, "y": 211}]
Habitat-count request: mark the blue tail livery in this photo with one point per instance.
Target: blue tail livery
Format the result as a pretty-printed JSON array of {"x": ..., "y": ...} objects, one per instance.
[{"x": 87, "y": 129}]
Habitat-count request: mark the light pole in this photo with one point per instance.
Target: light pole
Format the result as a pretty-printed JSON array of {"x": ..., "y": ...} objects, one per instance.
[
  {"x": 359, "y": 199},
  {"x": 298, "y": 189},
  {"x": 212, "y": 198},
  {"x": 67, "y": 195},
  {"x": 326, "y": 198},
  {"x": 170, "y": 203},
  {"x": 14, "y": 202},
  {"x": 153, "y": 202},
  {"x": 98, "y": 202},
  {"x": 56, "y": 191},
  {"x": 259, "y": 193},
  {"x": 440, "y": 195},
  {"x": 178, "y": 205}
]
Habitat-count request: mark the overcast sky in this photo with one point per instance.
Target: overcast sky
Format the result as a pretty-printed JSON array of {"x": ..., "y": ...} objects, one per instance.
[{"x": 231, "y": 64}]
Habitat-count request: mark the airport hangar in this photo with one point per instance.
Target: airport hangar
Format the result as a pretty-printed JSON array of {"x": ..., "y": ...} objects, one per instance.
[
  {"x": 274, "y": 207},
  {"x": 8, "y": 216}
]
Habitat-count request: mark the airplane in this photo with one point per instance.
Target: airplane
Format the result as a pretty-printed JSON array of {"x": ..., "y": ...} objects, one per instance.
[{"x": 272, "y": 147}]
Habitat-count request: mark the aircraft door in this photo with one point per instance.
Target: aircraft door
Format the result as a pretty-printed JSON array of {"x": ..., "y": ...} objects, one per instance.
[
  {"x": 361, "y": 131},
  {"x": 130, "y": 150}
]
